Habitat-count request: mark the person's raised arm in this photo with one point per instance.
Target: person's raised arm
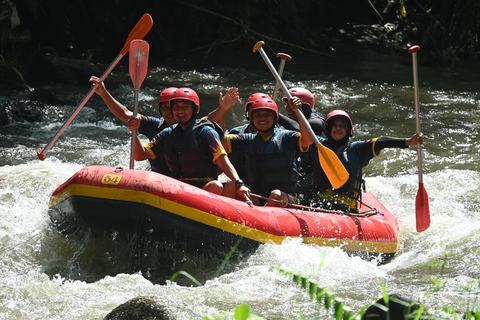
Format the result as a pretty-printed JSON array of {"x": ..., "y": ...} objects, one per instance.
[
  {"x": 116, "y": 107},
  {"x": 226, "y": 103},
  {"x": 391, "y": 142}
]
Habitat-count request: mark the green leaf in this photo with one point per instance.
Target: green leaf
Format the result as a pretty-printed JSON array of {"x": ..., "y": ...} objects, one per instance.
[
  {"x": 312, "y": 289},
  {"x": 186, "y": 274},
  {"x": 296, "y": 278},
  {"x": 386, "y": 297},
  {"x": 328, "y": 300},
  {"x": 304, "y": 283},
  {"x": 419, "y": 312},
  {"x": 242, "y": 312},
  {"x": 338, "y": 309},
  {"x": 402, "y": 9},
  {"x": 320, "y": 293}
]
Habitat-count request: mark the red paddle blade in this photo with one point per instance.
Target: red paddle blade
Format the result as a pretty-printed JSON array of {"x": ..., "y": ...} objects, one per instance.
[
  {"x": 422, "y": 209},
  {"x": 40, "y": 155},
  {"x": 138, "y": 32},
  {"x": 138, "y": 62}
]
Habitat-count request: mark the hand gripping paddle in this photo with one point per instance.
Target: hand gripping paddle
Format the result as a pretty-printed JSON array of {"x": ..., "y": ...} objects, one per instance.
[
  {"x": 331, "y": 165},
  {"x": 422, "y": 208}
]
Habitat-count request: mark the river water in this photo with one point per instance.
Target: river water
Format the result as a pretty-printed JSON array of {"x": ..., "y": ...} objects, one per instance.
[{"x": 45, "y": 276}]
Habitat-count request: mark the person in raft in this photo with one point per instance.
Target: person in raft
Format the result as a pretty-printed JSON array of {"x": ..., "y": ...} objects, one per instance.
[
  {"x": 150, "y": 126},
  {"x": 354, "y": 156},
  {"x": 270, "y": 153},
  {"x": 237, "y": 156},
  {"x": 317, "y": 123},
  {"x": 192, "y": 149}
]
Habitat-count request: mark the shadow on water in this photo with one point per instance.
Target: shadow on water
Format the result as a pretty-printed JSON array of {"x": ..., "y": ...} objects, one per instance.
[{"x": 96, "y": 255}]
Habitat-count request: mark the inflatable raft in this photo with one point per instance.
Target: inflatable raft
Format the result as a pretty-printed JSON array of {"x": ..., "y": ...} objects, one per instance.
[{"x": 149, "y": 204}]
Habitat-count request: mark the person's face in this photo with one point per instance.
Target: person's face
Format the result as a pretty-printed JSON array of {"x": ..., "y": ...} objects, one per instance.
[
  {"x": 182, "y": 111},
  {"x": 291, "y": 113},
  {"x": 166, "y": 113},
  {"x": 339, "y": 130},
  {"x": 263, "y": 119}
]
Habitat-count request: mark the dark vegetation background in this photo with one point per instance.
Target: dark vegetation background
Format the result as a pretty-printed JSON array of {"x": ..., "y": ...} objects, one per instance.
[{"x": 219, "y": 31}]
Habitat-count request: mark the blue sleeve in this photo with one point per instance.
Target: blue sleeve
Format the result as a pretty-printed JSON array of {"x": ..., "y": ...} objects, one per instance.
[
  {"x": 212, "y": 140},
  {"x": 292, "y": 140},
  {"x": 151, "y": 126},
  {"x": 157, "y": 144},
  {"x": 360, "y": 153}
]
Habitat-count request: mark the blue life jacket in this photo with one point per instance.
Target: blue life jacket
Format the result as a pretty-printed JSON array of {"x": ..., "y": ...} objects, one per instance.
[
  {"x": 269, "y": 166},
  {"x": 188, "y": 155}
]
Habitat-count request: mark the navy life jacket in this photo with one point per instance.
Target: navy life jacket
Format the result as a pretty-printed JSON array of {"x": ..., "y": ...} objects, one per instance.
[
  {"x": 159, "y": 164},
  {"x": 188, "y": 155},
  {"x": 269, "y": 166}
]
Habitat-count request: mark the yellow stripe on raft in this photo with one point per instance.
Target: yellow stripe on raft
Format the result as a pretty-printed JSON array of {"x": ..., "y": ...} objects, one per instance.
[{"x": 214, "y": 221}]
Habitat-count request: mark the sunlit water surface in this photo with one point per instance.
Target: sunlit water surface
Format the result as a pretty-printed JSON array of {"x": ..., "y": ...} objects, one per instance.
[{"x": 45, "y": 276}]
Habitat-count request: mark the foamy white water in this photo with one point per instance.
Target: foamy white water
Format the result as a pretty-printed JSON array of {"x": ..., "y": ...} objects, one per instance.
[{"x": 45, "y": 276}]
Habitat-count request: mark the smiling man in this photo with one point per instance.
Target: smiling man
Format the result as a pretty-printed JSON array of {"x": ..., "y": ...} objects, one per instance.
[
  {"x": 270, "y": 161},
  {"x": 192, "y": 149}
]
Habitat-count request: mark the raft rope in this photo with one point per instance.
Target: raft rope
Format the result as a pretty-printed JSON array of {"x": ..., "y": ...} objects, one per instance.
[{"x": 370, "y": 212}]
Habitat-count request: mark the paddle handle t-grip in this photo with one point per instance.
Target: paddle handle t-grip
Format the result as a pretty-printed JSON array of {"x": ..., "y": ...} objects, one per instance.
[{"x": 284, "y": 58}]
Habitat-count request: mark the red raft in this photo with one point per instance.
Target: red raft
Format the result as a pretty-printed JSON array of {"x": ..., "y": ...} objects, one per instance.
[{"x": 149, "y": 204}]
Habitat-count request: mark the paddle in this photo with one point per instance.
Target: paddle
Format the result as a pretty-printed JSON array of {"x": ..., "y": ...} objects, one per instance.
[
  {"x": 422, "y": 208},
  {"x": 138, "y": 32},
  {"x": 138, "y": 70},
  {"x": 331, "y": 165},
  {"x": 284, "y": 57}
]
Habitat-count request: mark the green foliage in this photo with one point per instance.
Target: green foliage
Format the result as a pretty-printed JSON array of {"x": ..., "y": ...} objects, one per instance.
[
  {"x": 324, "y": 296},
  {"x": 225, "y": 261},
  {"x": 341, "y": 311},
  {"x": 446, "y": 30},
  {"x": 242, "y": 312},
  {"x": 186, "y": 274}
]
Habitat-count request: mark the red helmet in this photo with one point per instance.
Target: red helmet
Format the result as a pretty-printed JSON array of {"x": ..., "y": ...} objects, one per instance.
[
  {"x": 252, "y": 98},
  {"x": 303, "y": 94},
  {"x": 186, "y": 94},
  {"x": 265, "y": 103},
  {"x": 338, "y": 113},
  {"x": 166, "y": 95}
]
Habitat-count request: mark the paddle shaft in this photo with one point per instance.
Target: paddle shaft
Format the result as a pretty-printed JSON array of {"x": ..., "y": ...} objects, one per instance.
[
  {"x": 138, "y": 32},
  {"x": 283, "y": 57},
  {"x": 298, "y": 206},
  {"x": 134, "y": 131},
  {"x": 422, "y": 207},
  {"x": 81, "y": 105},
  {"x": 417, "y": 112},
  {"x": 300, "y": 115}
]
